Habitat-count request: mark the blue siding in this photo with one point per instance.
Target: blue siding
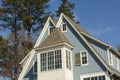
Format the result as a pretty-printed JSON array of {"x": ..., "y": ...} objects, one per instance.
[
  {"x": 46, "y": 33},
  {"x": 29, "y": 73},
  {"x": 94, "y": 64},
  {"x": 102, "y": 50}
]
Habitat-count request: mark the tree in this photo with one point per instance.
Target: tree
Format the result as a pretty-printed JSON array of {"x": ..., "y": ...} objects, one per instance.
[
  {"x": 66, "y": 8},
  {"x": 14, "y": 14},
  {"x": 33, "y": 14}
]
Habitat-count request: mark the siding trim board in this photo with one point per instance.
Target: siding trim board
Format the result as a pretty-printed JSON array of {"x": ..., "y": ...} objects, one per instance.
[
  {"x": 81, "y": 34},
  {"x": 96, "y": 74},
  {"x": 93, "y": 50}
]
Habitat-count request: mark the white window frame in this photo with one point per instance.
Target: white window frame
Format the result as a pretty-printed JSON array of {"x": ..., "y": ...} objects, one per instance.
[
  {"x": 47, "y": 59},
  {"x": 117, "y": 62},
  {"x": 62, "y": 27},
  {"x": 33, "y": 67},
  {"x": 69, "y": 59},
  {"x": 49, "y": 29},
  {"x": 96, "y": 74},
  {"x": 82, "y": 56},
  {"x": 110, "y": 54}
]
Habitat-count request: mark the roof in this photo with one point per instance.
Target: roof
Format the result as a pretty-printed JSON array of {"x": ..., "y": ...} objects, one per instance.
[
  {"x": 83, "y": 33},
  {"x": 55, "y": 37}
]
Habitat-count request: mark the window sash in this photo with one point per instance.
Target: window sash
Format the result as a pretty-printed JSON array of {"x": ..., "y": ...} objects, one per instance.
[{"x": 51, "y": 60}]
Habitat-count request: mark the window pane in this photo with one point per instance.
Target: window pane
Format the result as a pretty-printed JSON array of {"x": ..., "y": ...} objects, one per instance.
[
  {"x": 50, "y": 60},
  {"x": 64, "y": 27},
  {"x": 43, "y": 61},
  {"x": 35, "y": 67},
  {"x": 68, "y": 59},
  {"x": 84, "y": 57},
  {"x": 58, "y": 60}
]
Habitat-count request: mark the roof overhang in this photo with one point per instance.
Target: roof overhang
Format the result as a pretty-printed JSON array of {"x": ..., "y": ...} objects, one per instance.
[{"x": 54, "y": 46}]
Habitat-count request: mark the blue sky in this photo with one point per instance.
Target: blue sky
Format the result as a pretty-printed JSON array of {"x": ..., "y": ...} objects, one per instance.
[{"x": 101, "y": 18}]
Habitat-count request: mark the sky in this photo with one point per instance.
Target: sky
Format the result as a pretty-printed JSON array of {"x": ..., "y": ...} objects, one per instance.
[{"x": 101, "y": 18}]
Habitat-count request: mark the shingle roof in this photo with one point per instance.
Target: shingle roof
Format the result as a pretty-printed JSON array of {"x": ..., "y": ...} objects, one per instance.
[{"x": 55, "y": 37}]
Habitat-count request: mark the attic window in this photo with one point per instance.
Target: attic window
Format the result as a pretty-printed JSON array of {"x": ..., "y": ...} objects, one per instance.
[
  {"x": 81, "y": 58},
  {"x": 51, "y": 28},
  {"x": 64, "y": 27},
  {"x": 35, "y": 67}
]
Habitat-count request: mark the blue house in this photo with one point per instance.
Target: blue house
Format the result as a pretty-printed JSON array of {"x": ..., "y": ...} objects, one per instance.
[{"x": 65, "y": 51}]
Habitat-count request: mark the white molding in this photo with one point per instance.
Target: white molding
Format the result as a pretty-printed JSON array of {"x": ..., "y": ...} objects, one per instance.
[
  {"x": 55, "y": 45},
  {"x": 43, "y": 31},
  {"x": 94, "y": 74},
  {"x": 95, "y": 39},
  {"x": 86, "y": 56},
  {"x": 87, "y": 43},
  {"x": 26, "y": 65},
  {"x": 61, "y": 26},
  {"x": 33, "y": 66}
]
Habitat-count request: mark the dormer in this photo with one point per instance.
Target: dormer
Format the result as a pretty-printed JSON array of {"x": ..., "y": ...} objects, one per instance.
[{"x": 54, "y": 57}]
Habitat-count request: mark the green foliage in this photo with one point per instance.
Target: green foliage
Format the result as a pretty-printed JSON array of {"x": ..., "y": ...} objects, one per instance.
[
  {"x": 21, "y": 18},
  {"x": 66, "y": 8}
]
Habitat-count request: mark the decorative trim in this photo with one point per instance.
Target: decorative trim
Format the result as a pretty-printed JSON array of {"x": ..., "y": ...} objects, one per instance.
[
  {"x": 94, "y": 75},
  {"x": 86, "y": 56},
  {"x": 33, "y": 67},
  {"x": 62, "y": 27}
]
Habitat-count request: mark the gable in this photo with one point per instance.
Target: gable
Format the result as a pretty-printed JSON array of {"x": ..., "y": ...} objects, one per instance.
[{"x": 45, "y": 31}]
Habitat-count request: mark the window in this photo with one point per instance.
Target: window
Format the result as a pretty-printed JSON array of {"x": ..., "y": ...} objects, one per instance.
[
  {"x": 84, "y": 60},
  {"x": 43, "y": 61},
  {"x": 35, "y": 67},
  {"x": 102, "y": 77},
  {"x": 81, "y": 58},
  {"x": 51, "y": 60},
  {"x": 58, "y": 60},
  {"x": 117, "y": 62},
  {"x": 51, "y": 28},
  {"x": 64, "y": 27},
  {"x": 68, "y": 59},
  {"x": 110, "y": 58}
]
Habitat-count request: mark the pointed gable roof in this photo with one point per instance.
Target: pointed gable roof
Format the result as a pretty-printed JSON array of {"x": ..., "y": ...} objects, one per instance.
[
  {"x": 54, "y": 38},
  {"x": 82, "y": 33}
]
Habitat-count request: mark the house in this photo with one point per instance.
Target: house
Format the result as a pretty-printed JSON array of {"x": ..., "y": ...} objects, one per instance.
[{"x": 65, "y": 51}]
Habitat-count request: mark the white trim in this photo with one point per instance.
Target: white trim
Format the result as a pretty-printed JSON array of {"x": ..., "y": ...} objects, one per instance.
[
  {"x": 55, "y": 45},
  {"x": 94, "y": 75},
  {"x": 26, "y": 65},
  {"x": 43, "y": 31},
  {"x": 47, "y": 60},
  {"x": 49, "y": 29},
  {"x": 117, "y": 62},
  {"x": 95, "y": 39},
  {"x": 33, "y": 67},
  {"x": 87, "y": 43},
  {"x": 110, "y": 57},
  {"x": 81, "y": 57},
  {"x": 62, "y": 27}
]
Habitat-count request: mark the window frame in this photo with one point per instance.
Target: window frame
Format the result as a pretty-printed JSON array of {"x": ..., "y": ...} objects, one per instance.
[
  {"x": 34, "y": 67},
  {"x": 46, "y": 52},
  {"x": 82, "y": 56},
  {"x": 49, "y": 32},
  {"x": 110, "y": 58},
  {"x": 93, "y": 75},
  {"x": 117, "y": 62},
  {"x": 68, "y": 59},
  {"x": 63, "y": 27}
]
